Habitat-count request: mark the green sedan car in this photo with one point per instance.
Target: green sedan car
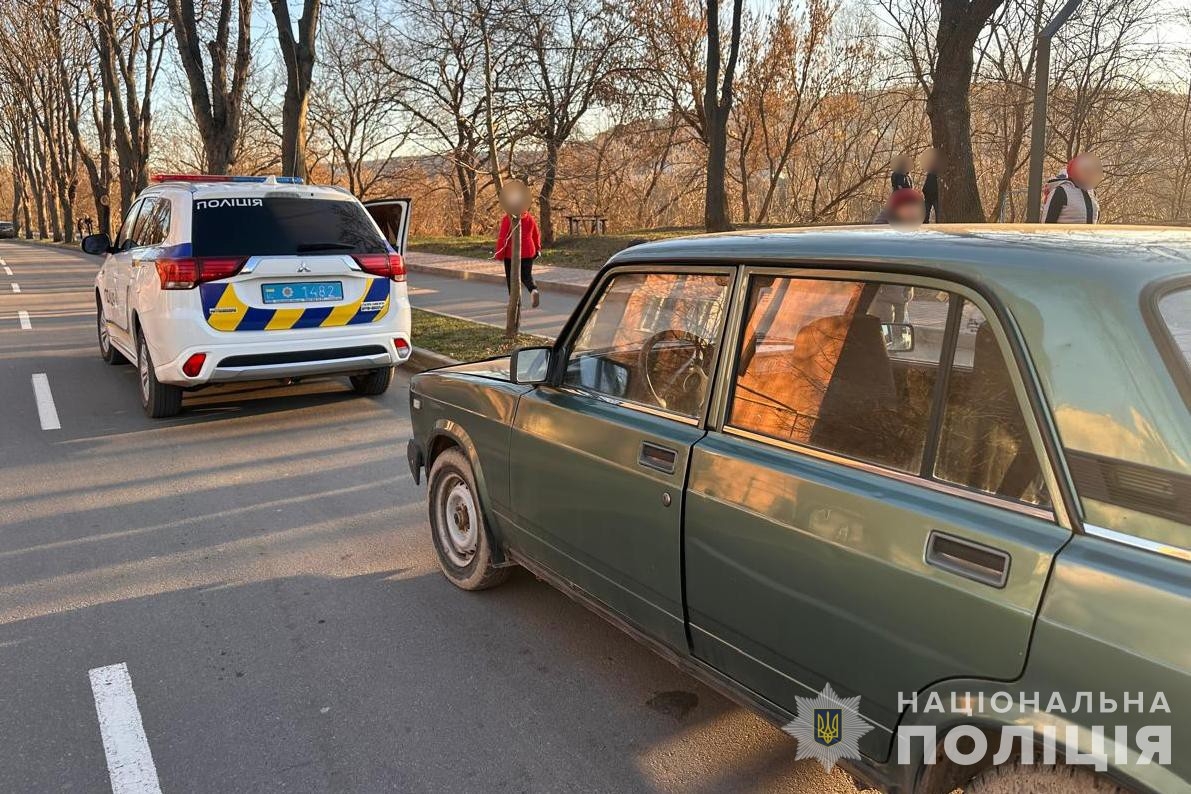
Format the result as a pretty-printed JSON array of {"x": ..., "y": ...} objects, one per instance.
[{"x": 922, "y": 498}]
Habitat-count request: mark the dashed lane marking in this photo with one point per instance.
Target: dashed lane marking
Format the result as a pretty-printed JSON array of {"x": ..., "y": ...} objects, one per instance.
[
  {"x": 23, "y": 316},
  {"x": 46, "y": 410},
  {"x": 16, "y": 287},
  {"x": 130, "y": 762},
  {"x": 7, "y": 270}
]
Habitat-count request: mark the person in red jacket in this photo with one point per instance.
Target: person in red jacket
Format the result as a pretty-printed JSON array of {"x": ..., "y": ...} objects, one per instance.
[{"x": 531, "y": 245}]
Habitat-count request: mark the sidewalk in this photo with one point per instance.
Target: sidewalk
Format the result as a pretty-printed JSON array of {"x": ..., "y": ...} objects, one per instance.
[{"x": 561, "y": 279}]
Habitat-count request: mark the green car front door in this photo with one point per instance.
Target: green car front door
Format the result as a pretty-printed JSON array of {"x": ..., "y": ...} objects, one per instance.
[
  {"x": 598, "y": 460},
  {"x": 872, "y": 515}
]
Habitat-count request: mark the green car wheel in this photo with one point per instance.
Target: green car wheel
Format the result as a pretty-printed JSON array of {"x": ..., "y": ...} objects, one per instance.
[{"x": 461, "y": 539}]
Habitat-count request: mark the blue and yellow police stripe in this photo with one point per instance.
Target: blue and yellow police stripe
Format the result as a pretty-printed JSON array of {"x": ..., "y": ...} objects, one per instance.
[{"x": 226, "y": 312}]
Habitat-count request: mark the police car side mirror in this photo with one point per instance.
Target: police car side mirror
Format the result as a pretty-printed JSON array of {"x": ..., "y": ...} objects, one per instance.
[{"x": 97, "y": 244}]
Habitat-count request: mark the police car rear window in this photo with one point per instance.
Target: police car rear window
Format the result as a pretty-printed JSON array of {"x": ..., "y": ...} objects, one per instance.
[{"x": 282, "y": 225}]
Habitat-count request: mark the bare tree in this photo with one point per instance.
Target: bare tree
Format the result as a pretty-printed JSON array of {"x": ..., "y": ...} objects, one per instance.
[
  {"x": 218, "y": 106},
  {"x": 356, "y": 106},
  {"x": 717, "y": 106},
  {"x": 576, "y": 50},
  {"x": 298, "y": 55}
]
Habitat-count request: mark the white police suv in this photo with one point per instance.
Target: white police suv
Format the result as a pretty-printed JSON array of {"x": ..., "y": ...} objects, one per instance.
[{"x": 215, "y": 279}]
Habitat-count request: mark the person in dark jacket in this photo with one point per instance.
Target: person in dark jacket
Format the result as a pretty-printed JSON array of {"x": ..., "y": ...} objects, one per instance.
[
  {"x": 900, "y": 178},
  {"x": 531, "y": 245},
  {"x": 1071, "y": 196},
  {"x": 930, "y": 185}
]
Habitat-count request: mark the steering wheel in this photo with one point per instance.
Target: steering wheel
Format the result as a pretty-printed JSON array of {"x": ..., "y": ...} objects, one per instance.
[{"x": 687, "y": 378}]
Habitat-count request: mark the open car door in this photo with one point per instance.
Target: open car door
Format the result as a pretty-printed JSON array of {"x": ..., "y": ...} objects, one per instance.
[{"x": 392, "y": 216}]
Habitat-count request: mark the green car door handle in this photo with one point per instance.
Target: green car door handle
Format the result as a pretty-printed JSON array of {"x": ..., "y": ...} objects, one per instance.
[
  {"x": 657, "y": 457},
  {"x": 967, "y": 558}
]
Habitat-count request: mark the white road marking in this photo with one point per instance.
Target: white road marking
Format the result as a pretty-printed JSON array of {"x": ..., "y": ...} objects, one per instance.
[
  {"x": 16, "y": 287},
  {"x": 130, "y": 763},
  {"x": 7, "y": 270},
  {"x": 46, "y": 410},
  {"x": 24, "y": 318}
]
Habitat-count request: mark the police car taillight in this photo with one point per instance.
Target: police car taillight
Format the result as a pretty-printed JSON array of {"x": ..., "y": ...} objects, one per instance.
[
  {"x": 386, "y": 265},
  {"x": 186, "y": 272}
]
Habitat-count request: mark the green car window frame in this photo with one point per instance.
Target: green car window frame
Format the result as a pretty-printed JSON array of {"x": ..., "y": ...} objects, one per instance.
[
  {"x": 574, "y": 330},
  {"x": 1155, "y": 301},
  {"x": 959, "y": 296}
]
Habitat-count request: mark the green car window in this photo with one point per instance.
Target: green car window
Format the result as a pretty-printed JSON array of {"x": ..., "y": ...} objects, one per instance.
[
  {"x": 652, "y": 339},
  {"x": 985, "y": 442},
  {"x": 848, "y": 367}
]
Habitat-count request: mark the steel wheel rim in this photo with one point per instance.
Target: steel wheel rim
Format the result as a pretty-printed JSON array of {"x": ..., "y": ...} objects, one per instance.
[
  {"x": 143, "y": 365},
  {"x": 458, "y": 521}
]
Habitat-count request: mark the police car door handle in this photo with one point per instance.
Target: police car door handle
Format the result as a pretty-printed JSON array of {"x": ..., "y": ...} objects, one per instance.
[{"x": 968, "y": 559}]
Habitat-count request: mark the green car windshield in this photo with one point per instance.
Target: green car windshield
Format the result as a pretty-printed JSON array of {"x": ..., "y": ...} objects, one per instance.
[{"x": 1175, "y": 309}]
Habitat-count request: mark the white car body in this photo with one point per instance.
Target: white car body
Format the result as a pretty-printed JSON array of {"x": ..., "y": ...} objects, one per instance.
[{"x": 242, "y": 337}]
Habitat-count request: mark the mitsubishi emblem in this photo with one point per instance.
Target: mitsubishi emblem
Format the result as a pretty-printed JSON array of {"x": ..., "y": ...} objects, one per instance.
[{"x": 302, "y": 268}]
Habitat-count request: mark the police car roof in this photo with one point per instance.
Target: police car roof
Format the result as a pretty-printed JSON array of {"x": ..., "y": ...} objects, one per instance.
[{"x": 238, "y": 188}]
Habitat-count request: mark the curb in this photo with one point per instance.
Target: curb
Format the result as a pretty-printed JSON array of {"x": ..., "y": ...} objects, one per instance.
[
  {"x": 422, "y": 359},
  {"x": 493, "y": 278}
]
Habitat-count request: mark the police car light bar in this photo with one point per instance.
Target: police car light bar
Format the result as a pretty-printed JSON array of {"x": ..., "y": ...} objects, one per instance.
[{"x": 280, "y": 180}]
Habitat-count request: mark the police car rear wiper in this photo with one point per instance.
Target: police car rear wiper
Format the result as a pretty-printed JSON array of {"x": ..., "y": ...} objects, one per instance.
[{"x": 305, "y": 247}]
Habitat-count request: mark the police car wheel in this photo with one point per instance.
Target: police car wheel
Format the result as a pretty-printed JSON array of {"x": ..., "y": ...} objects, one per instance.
[
  {"x": 461, "y": 539},
  {"x": 372, "y": 383},
  {"x": 158, "y": 399},
  {"x": 106, "y": 350},
  {"x": 1010, "y": 779}
]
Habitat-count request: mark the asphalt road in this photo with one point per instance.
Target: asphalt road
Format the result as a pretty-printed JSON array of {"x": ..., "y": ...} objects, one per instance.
[{"x": 262, "y": 566}]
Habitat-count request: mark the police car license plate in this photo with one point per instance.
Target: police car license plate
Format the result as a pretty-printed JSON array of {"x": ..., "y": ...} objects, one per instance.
[{"x": 302, "y": 292}]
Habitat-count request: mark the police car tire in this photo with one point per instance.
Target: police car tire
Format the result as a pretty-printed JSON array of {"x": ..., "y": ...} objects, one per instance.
[
  {"x": 451, "y": 468},
  {"x": 107, "y": 351},
  {"x": 160, "y": 400},
  {"x": 373, "y": 383},
  {"x": 1010, "y": 779}
]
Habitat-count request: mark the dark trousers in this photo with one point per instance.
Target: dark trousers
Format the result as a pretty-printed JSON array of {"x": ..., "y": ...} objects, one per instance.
[{"x": 526, "y": 273}]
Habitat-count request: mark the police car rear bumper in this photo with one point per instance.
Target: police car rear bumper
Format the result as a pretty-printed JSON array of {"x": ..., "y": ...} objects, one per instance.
[
  {"x": 345, "y": 355},
  {"x": 246, "y": 370}
]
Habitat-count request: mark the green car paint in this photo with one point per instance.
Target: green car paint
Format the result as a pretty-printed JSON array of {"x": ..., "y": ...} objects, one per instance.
[{"x": 771, "y": 570}]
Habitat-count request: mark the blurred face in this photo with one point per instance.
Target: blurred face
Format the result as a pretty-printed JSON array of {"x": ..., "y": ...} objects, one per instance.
[
  {"x": 910, "y": 213},
  {"x": 1088, "y": 171},
  {"x": 930, "y": 160}
]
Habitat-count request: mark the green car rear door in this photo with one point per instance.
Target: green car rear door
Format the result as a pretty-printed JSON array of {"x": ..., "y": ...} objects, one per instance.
[{"x": 873, "y": 512}]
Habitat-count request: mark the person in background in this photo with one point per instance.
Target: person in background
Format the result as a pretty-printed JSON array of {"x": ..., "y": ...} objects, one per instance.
[
  {"x": 906, "y": 208},
  {"x": 88, "y": 224},
  {"x": 79, "y": 225},
  {"x": 930, "y": 185},
  {"x": 1071, "y": 196},
  {"x": 900, "y": 178},
  {"x": 531, "y": 245}
]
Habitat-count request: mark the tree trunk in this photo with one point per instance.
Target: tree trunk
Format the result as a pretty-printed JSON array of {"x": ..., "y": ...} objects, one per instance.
[
  {"x": 949, "y": 109},
  {"x": 546, "y": 193},
  {"x": 298, "y": 56},
  {"x": 715, "y": 210},
  {"x": 717, "y": 107},
  {"x": 513, "y": 310},
  {"x": 217, "y": 109}
]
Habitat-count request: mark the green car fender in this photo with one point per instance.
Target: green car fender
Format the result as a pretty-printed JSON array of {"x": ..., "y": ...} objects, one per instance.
[{"x": 447, "y": 433}]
